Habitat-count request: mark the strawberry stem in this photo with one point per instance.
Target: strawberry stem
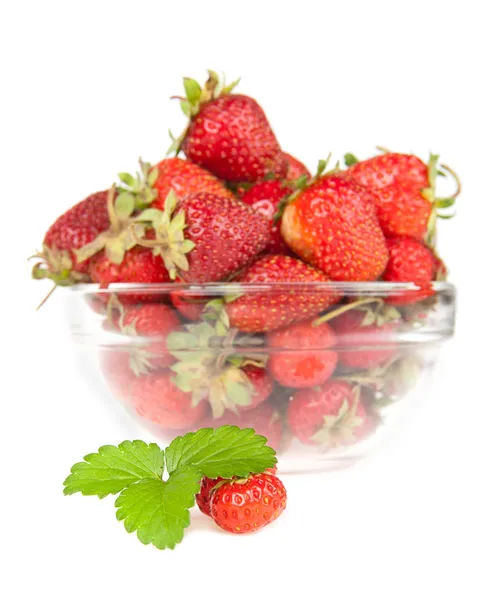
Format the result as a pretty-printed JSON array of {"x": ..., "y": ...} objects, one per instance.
[{"x": 346, "y": 307}]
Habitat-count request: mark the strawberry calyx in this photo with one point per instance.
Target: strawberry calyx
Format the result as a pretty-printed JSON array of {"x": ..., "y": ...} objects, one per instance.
[
  {"x": 210, "y": 363},
  {"x": 439, "y": 204},
  {"x": 139, "y": 189},
  {"x": 195, "y": 96},
  {"x": 340, "y": 429},
  {"x": 386, "y": 313},
  {"x": 120, "y": 237},
  {"x": 169, "y": 228},
  {"x": 56, "y": 265}
]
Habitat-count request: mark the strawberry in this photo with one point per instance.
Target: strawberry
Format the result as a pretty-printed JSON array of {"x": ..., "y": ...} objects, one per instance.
[
  {"x": 404, "y": 192},
  {"x": 265, "y": 419},
  {"x": 185, "y": 178},
  {"x": 410, "y": 261},
  {"x": 191, "y": 307},
  {"x": 283, "y": 305},
  {"x": 330, "y": 416},
  {"x": 156, "y": 398},
  {"x": 139, "y": 265},
  {"x": 304, "y": 358},
  {"x": 265, "y": 198},
  {"x": 246, "y": 505},
  {"x": 77, "y": 227},
  {"x": 296, "y": 169},
  {"x": 203, "y": 498},
  {"x": 387, "y": 169},
  {"x": 155, "y": 321},
  {"x": 332, "y": 224},
  {"x": 228, "y": 134},
  {"x": 370, "y": 336}
]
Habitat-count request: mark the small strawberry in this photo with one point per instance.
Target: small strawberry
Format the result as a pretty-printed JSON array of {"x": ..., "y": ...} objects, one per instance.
[
  {"x": 139, "y": 265},
  {"x": 265, "y": 198},
  {"x": 296, "y": 169},
  {"x": 189, "y": 306},
  {"x": 156, "y": 398},
  {"x": 155, "y": 321},
  {"x": 203, "y": 498},
  {"x": 264, "y": 419},
  {"x": 281, "y": 306},
  {"x": 410, "y": 261},
  {"x": 332, "y": 224},
  {"x": 246, "y": 505},
  {"x": 228, "y": 134},
  {"x": 331, "y": 416},
  {"x": 77, "y": 227},
  {"x": 116, "y": 366},
  {"x": 404, "y": 192},
  {"x": 305, "y": 358},
  {"x": 367, "y": 338},
  {"x": 206, "y": 238},
  {"x": 151, "y": 185}
]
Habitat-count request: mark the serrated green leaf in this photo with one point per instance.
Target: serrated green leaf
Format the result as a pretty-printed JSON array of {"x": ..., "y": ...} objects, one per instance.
[
  {"x": 222, "y": 452},
  {"x": 159, "y": 510},
  {"x": 113, "y": 468},
  {"x": 192, "y": 90}
]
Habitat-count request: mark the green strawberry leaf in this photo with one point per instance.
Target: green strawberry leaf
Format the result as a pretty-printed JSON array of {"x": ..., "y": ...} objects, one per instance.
[
  {"x": 222, "y": 452},
  {"x": 159, "y": 510},
  {"x": 350, "y": 159},
  {"x": 114, "y": 468}
]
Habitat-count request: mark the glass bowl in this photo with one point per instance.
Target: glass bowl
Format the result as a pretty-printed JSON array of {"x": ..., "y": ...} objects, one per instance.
[{"x": 342, "y": 366}]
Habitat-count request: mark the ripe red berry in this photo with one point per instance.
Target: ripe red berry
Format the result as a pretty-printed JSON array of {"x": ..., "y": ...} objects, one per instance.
[
  {"x": 301, "y": 355},
  {"x": 246, "y": 505}
]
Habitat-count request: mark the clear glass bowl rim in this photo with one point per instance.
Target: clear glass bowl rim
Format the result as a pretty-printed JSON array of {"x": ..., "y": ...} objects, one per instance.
[{"x": 371, "y": 288}]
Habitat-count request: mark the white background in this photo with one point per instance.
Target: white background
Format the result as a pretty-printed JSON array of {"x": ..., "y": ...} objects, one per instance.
[{"x": 85, "y": 88}]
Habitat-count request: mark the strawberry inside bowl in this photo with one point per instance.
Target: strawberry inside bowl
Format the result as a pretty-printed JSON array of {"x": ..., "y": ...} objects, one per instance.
[{"x": 324, "y": 370}]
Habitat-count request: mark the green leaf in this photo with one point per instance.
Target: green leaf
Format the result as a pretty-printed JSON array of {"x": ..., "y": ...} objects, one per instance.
[
  {"x": 192, "y": 90},
  {"x": 350, "y": 159},
  {"x": 113, "y": 468},
  {"x": 222, "y": 452},
  {"x": 157, "y": 510},
  {"x": 125, "y": 205}
]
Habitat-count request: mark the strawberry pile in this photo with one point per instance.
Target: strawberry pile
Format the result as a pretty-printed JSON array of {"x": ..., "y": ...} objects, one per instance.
[{"x": 234, "y": 248}]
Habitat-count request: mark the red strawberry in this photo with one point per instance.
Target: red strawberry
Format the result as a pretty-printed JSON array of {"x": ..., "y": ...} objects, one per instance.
[
  {"x": 203, "y": 498},
  {"x": 264, "y": 419},
  {"x": 283, "y": 305},
  {"x": 156, "y": 398},
  {"x": 139, "y": 265},
  {"x": 77, "y": 227},
  {"x": 265, "y": 198},
  {"x": 404, "y": 191},
  {"x": 332, "y": 224},
  {"x": 330, "y": 416},
  {"x": 305, "y": 359},
  {"x": 410, "y": 261},
  {"x": 190, "y": 306},
  {"x": 227, "y": 235},
  {"x": 370, "y": 336},
  {"x": 228, "y": 134},
  {"x": 185, "y": 178},
  {"x": 261, "y": 384},
  {"x": 154, "y": 321},
  {"x": 390, "y": 168},
  {"x": 245, "y": 505},
  {"x": 296, "y": 169}
]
